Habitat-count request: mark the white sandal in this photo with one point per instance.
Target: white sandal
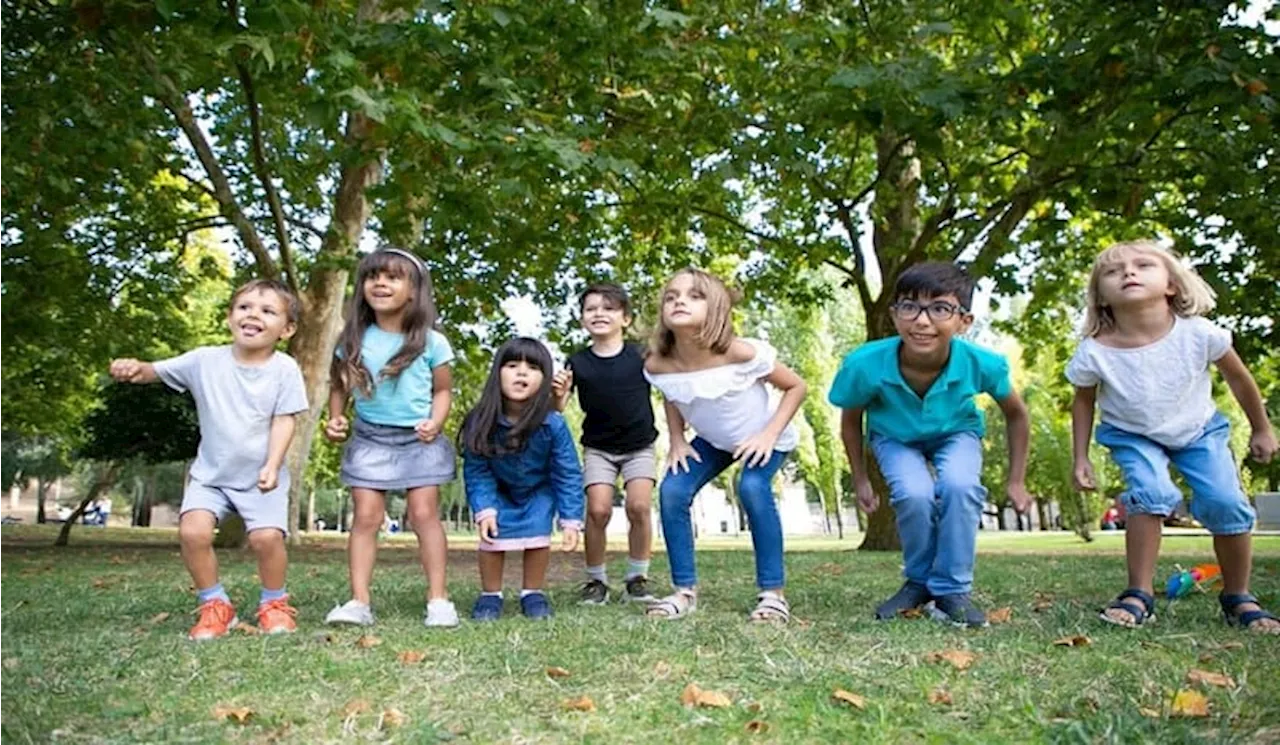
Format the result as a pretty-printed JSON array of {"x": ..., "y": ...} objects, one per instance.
[
  {"x": 676, "y": 605},
  {"x": 770, "y": 608}
]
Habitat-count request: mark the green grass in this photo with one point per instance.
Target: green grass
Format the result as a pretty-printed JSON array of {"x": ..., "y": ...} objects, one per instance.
[{"x": 83, "y": 661}]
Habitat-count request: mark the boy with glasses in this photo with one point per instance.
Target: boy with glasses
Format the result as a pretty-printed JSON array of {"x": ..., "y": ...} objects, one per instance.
[{"x": 917, "y": 390}]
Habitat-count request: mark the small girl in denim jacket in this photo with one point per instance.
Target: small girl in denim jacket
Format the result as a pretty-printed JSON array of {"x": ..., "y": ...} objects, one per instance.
[
  {"x": 521, "y": 469},
  {"x": 1145, "y": 361}
]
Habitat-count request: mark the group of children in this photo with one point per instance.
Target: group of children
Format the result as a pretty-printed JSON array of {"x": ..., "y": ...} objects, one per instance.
[{"x": 1144, "y": 362}]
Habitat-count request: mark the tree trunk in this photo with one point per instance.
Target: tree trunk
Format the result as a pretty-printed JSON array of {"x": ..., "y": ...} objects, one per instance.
[
  {"x": 1042, "y": 510},
  {"x": 148, "y": 499},
  {"x": 105, "y": 481},
  {"x": 42, "y": 488},
  {"x": 311, "y": 510}
]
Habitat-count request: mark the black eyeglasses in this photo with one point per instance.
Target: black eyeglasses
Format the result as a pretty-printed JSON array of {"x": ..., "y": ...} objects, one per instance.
[{"x": 909, "y": 310}]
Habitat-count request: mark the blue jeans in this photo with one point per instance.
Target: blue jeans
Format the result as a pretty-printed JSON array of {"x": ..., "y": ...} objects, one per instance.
[
  {"x": 1208, "y": 466},
  {"x": 755, "y": 490},
  {"x": 937, "y": 520}
]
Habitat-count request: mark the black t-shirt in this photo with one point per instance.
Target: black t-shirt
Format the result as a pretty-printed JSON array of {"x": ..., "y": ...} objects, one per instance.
[{"x": 614, "y": 395}]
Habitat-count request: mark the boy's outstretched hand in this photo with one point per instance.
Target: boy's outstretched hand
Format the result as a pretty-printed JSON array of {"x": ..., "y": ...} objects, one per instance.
[
  {"x": 268, "y": 477},
  {"x": 1263, "y": 446},
  {"x": 1019, "y": 495},
  {"x": 867, "y": 498},
  {"x": 129, "y": 370},
  {"x": 1082, "y": 474},
  {"x": 336, "y": 429},
  {"x": 570, "y": 540}
]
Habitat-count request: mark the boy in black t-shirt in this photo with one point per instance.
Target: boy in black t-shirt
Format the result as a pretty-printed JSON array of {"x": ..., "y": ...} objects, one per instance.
[{"x": 617, "y": 437}]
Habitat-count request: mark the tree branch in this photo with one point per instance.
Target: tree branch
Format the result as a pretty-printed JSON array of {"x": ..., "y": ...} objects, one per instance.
[
  {"x": 857, "y": 279},
  {"x": 264, "y": 176}
]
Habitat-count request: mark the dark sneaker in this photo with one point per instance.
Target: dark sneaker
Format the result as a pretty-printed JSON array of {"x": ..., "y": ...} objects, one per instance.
[
  {"x": 487, "y": 608},
  {"x": 910, "y": 596},
  {"x": 638, "y": 590},
  {"x": 536, "y": 606},
  {"x": 594, "y": 592},
  {"x": 958, "y": 610}
]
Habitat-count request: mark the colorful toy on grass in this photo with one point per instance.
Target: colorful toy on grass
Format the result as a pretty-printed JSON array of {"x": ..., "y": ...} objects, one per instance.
[{"x": 1183, "y": 581}]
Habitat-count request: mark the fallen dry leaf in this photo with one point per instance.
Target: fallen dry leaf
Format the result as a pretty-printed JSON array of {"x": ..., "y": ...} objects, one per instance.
[
  {"x": 959, "y": 658},
  {"x": 1043, "y": 601},
  {"x": 1188, "y": 703},
  {"x": 661, "y": 669},
  {"x": 367, "y": 641},
  {"x": 1220, "y": 680},
  {"x": 116, "y": 559},
  {"x": 391, "y": 718},
  {"x": 356, "y": 706},
  {"x": 1000, "y": 615},
  {"x": 240, "y": 714},
  {"x": 248, "y": 629},
  {"x": 582, "y": 703},
  {"x": 411, "y": 656},
  {"x": 159, "y": 618},
  {"x": 940, "y": 697},
  {"x": 1231, "y": 645},
  {"x": 1206, "y": 658},
  {"x": 1079, "y": 640},
  {"x": 757, "y": 727},
  {"x": 852, "y": 699},
  {"x": 692, "y": 695},
  {"x": 557, "y": 672},
  {"x": 911, "y": 613},
  {"x": 755, "y": 707},
  {"x": 1150, "y": 713}
]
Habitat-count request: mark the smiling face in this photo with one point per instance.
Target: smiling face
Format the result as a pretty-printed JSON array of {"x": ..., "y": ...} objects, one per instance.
[
  {"x": 603, "y": 318},
  {"x": 520, "y": 381},
  {"x": 1134, "y": 277},
  {"x": 258, "y": 319},
  {"x": 927, "y": 324},
  {"x": 388, "y": 292}
]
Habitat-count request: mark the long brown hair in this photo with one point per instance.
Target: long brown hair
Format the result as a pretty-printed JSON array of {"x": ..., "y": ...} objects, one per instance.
[
  {"x": 348, "y": 368},
  {"x": 717, "y": 329}
]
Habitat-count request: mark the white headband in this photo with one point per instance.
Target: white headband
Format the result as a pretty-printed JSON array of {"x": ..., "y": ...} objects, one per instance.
[{"x": 417, "y": 263}]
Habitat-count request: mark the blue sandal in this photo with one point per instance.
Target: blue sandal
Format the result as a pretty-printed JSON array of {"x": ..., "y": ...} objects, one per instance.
[
  {"x": 1246, "y": 619},
  {"x": 1141, "y": 613}
]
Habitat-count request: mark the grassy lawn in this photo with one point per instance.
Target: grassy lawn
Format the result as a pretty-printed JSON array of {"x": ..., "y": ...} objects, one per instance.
[{"x": 89, "y": 656}]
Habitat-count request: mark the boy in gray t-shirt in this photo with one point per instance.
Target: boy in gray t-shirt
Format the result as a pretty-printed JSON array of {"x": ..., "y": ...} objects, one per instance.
[{"x": 246, "y": 397}]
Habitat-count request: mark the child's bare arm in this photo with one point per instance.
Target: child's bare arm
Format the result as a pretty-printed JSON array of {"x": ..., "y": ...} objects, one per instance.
[
  {"x": 851, "y": 436},
  {"x": 1262, "y": 444},
  {"x": 1018, "y": 425},
  {"x": 1081, "y": 431},
  {"x": 282, "y": 429},
  {"x": 757, "y": 449},
  {"x": 561, "y": 387},
  {"x": 129, "y": 370},
  {"x": 441, "y": 403},
  {"x": 336, "y": 429}
]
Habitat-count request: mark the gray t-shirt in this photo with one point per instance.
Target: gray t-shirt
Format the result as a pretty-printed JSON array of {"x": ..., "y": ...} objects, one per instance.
[{"x": 235, "y": 403}]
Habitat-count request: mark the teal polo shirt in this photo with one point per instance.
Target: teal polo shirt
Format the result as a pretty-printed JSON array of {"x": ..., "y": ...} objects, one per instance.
[{"x": 871, "y": 379}]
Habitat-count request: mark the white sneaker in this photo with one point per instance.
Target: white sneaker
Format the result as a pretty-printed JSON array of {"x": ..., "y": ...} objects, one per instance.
[
  {"x": 352, "y": 612},
  {"x": 441, "y": 613}
]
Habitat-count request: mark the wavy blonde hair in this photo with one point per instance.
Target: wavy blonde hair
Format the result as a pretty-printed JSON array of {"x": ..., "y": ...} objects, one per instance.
[
  {"x": 1192, "y": 296},
  {"x": 717, "y": 329}
]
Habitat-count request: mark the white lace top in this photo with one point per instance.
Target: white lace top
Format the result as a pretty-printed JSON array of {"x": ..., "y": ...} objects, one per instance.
[
  {"x": 729, "y": 403},
  {"x": 1161, "y": 390}
]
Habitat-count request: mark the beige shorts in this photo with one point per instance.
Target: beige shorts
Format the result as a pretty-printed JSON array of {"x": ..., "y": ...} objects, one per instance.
[{"x": 603, "y": 467}]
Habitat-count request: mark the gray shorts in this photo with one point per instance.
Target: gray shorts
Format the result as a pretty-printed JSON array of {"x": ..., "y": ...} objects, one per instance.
[
  {"x": 258, "y": 509},
  {"x": 383, "y": 457},
  {"x": 603, "y": 467}
]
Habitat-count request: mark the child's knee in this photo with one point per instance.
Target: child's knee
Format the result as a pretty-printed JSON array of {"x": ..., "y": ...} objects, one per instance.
[
  {"x": 367, "y": 521},
  {"x": 266, "y": 539},
  {"x": 1224, "y": 514},
  {"x": 675, "y": 494},
  {"x": 966, "y": 486},
  {"x": 195, "y": 533},
  {"x": 754, "y": 489},
  {"x": 599, "y": 512},
  {"x": 638, "y": 511},
  {"x": 424, "y": 516}
]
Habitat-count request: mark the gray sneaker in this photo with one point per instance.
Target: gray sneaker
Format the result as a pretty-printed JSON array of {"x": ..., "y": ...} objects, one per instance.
[
  {"x": 958, "y": 610},
  {"x": 594, "y": 592},
  {"x": 638, "y": 590},
  {"x": 440, "y": 614},
  {"x": 352, "y": 612}
]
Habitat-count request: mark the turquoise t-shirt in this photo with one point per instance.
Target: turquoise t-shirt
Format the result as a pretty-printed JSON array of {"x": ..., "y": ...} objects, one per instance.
[
  {"x": 870, "y": 379},
  {"x": 404, "y": 400}
]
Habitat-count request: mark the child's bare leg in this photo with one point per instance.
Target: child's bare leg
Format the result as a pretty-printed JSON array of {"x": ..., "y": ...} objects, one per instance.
[
  {"x": 1235, "y": 556},
  {"x": 1141, "y": 549},
  {"x": 599, "y": 512},
  {"x": 273, "y": 557},
  {"x": 640, "y": 519},
  {"x": 195, "y": 535},
  {"x": 362, "y": 544},
  {"x": 491, "y": 570},
  {"x": 535, "y": 567},
  {"x": 433, "y": 546}
]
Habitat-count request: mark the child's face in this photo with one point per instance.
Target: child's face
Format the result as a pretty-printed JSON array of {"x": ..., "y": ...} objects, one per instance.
[
  {"x": 1134, "y": 278},
  {"x": 683, "y": 305},
  {"x": 927, "y": 324},
  {"x": 387, "y": 292},
  {"x": 258, "y": 319},
  {"x": 602, "y": 318},
  {"x": 520, "y": 381}
]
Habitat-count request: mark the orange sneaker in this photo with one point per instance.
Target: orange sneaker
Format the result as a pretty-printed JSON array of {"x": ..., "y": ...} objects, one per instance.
[
  {"x": 217, "y": 617},
  {"x": 276, "y": 617}
]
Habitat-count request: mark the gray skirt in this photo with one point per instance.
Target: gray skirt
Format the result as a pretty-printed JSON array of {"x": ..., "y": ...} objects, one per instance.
[{"x": 383, "y": 457}]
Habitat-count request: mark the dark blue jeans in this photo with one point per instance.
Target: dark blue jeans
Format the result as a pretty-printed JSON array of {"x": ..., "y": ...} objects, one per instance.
[{"x": 755, "y": 490}]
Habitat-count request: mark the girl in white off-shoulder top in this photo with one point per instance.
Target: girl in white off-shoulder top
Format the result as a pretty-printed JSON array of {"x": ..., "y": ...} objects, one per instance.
[{"x": 714, "y": 382}]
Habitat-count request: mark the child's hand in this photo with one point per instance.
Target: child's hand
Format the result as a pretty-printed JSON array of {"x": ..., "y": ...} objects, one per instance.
[
  {"x": 336, "y": 429},
  {"x": 487, "y": 528},
  {"x": 1083, "y": 476},
  {"x": 679, "y": 456},
  {"x": 867, "y": 498},
  {"x": 126, "y": 370},
  {"x": 570, "y": 540},
  {"x": 1262, "y": 445},
  {"x": 1019, "y": 495},
  {"x": 268, "y": 478},
  {"x": 562, "y": 383},
  {"x": 427, "y": 430},
  {"x": 757, "y": 449}
]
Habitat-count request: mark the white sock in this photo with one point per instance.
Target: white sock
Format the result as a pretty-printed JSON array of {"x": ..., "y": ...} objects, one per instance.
[
  {"x": 597, "y": 573},
  {"x": 530, "y": 592},
  {"x": 497, "y": 594},
  {"x": 637, "y": 568}
]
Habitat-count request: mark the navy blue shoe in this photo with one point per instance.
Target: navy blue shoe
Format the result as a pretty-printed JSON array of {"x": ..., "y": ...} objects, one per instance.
[
  {"x": 487, "y": 608},
  {"x": 535, "y": 606}
]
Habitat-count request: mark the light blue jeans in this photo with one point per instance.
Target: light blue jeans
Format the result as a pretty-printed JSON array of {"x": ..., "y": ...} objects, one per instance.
[
  {"x": 937, "y": 519},
  {"x": 755, "y": 490},
  {"x": 1208, "y": 466}
]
